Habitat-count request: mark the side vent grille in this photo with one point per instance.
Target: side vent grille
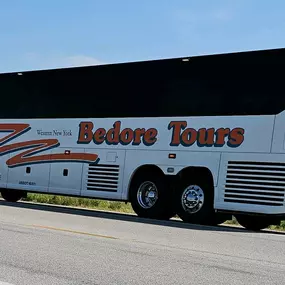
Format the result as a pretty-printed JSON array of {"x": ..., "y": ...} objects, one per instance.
[
  {"x": 259, "y": 183},
  {"x": 102, "y": 177}
]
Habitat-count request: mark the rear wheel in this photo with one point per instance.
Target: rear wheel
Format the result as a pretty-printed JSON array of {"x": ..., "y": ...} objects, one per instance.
[
  {"x": 12, "y": 195},
  {"x": 253, "y": 223},
  {"x": 194, "y": 201},
  {"x": 150, "y": 196}
]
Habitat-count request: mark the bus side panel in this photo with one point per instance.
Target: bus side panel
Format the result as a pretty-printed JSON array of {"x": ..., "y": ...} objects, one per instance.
[
  {"x": 4, "y": 170},
  {"x": 251, "y": 183},
  {"x": 104, "y": 179},
  {"x": 136, "y": 159},
  {"x": 65, "y": 177},
  {"x": 278, "y": 141},
  {"x": 33, "y": 177}
]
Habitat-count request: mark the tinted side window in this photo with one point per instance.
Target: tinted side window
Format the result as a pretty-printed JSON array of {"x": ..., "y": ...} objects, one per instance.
[{"x": 240, "y": 84}]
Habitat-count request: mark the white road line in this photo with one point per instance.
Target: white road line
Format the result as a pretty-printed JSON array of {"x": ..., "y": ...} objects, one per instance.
[{"x": 5, "y": 283}]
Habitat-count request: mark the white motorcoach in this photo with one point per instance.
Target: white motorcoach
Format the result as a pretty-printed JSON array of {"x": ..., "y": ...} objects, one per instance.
[{"x": 201, "y": 137}]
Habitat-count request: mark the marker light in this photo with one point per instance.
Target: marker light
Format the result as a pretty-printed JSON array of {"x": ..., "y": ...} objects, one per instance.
[{"x": 172, "y": 155}]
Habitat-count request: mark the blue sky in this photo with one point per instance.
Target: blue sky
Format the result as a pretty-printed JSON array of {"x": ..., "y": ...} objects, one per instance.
[{"x": 58, "y": 33}]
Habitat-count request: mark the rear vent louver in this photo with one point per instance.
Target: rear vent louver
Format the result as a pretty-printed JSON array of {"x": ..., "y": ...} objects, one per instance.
[
  {"x": 259, "y": 183},
  {"x": 103, "y": 177}
]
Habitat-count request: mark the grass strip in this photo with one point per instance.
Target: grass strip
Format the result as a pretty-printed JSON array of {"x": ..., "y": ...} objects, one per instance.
[{"x": 104, "y": 205}]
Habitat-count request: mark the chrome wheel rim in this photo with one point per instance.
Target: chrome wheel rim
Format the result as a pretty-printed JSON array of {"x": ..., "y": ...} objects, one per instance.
[
  {"x": 147, "y": 194},
  {"x": 192, "y": 199}
]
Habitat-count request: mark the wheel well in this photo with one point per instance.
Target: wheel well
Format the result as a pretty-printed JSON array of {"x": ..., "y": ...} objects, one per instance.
[
  {"x": 173, "y": 180},
  {"x": 144, "y": 169},
  {"x": 201, "y": 172}
]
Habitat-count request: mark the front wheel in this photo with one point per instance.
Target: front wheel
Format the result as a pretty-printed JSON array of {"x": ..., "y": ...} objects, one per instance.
[
  {"x": 12, "y": 195},
  {"x": 253, "y": 223},
  {"x": 194, "y": 201},
  {"x": 150, "y": 197}
]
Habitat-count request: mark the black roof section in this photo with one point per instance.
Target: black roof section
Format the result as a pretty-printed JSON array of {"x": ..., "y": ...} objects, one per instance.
[{"x": 243, "y": 83}]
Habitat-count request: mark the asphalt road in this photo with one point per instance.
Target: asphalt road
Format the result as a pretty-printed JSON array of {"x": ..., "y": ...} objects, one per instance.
[{"x": 53, "y": 245}]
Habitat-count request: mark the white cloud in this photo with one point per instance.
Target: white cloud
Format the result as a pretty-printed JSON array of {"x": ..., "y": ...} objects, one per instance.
[
  {"x": 38, "y": 61},
  {"x": 80, "y": 60}
]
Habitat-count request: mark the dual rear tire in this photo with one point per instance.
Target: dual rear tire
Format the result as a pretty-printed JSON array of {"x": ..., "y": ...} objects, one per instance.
[
  {"x": 194, "y": 201},
  {"x": 254, "y": 223},
  {"x": 151, "y": 196}
]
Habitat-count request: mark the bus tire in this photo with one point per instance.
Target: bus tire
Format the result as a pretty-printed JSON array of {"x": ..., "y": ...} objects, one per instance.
[
  {"x": 150, "y": 196},
  {"x": 194, "y": 201},
  {"x": 12, "y": 195},
  {"x": 253, "y": 223}
]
